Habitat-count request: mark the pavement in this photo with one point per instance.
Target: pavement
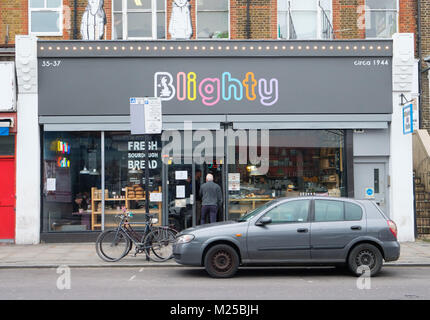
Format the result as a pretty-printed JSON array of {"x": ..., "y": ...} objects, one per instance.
[{"x": 49, "y": 255}]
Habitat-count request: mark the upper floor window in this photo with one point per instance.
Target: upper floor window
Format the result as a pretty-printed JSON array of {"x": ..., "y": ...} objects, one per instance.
[
  {"x": 45, "y": 17},
  {"x": 381, "y": 18},
  {"x": 139, "y": 19},
  {"x": 305, "y": 19},
  {"x": 212, "y": 19}
]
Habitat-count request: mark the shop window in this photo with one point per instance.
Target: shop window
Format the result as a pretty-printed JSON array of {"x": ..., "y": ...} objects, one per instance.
[
  {"x": 300, "y": 162},
  {"x": 139, "y": 19},
  {"x": 305, "y": 19},
  {"x": 381, "y": 18},
  {"x": 212, "y": 19},
  {"x": 45, "y": 17},
  {"x": 71, "y": 170},
  {"x": 72, "y": 179},
  {"x": 125, "y": 176}
]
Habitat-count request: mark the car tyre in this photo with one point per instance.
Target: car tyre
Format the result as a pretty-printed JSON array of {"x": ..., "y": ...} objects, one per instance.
[
  {"x": 221, "y": 261},
  {"x": 365, "y": 255}
]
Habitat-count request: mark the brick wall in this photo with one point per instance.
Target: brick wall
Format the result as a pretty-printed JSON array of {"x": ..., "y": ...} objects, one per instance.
[
  {"x": 348, "y": 15},
  {"x": 262, "y": 22},
  {"x": 348, "y": 19},
  {"x": 13, "y": 13}
]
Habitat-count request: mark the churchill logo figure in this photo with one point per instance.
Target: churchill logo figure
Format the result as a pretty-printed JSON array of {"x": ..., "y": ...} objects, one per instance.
[
  {"x": 180, "y": 20},
  {"x": 93, "y": 21}
]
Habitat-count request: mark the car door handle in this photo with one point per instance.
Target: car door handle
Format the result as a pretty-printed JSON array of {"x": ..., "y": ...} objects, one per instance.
[
  {"x": 356, "y": 228},
  {"x": 302, "y": 230}
]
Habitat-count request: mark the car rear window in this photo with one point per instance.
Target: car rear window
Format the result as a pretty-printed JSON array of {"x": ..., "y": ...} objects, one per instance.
[{"x": 353, "y": 212}]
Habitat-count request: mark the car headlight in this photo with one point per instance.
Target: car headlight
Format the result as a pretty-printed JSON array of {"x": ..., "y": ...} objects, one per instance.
[{"x": 185, "y": 238}]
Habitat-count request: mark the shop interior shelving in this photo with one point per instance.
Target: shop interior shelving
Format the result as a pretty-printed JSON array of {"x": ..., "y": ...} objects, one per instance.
[{"x": 121, "y": 201}]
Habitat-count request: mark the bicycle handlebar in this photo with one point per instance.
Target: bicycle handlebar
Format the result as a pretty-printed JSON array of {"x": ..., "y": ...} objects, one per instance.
[{"x": 130, "y": 214}]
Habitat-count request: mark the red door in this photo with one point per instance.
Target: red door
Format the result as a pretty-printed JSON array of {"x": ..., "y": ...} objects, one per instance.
[{"x": 7, "y": 198}]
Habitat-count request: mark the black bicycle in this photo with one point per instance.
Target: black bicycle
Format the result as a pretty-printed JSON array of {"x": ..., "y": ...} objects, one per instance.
[{"x": 155, "y": 241}]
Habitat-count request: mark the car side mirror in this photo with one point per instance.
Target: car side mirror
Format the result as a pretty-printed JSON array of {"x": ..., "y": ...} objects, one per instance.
[{"x": 263, "y": 221}]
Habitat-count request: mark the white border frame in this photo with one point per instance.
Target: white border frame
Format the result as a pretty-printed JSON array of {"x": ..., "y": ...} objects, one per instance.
[
  {"x": 397, "y": 20},
  {"x": 319, "y": 26},
  {"x": 228, "y": 22},
  {"x": 45, "y": 9},
  {"x": 124, "y": 12}
]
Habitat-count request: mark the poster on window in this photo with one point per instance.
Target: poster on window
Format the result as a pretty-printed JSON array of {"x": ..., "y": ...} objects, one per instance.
[
  {"x": 181, "y": 175},
  {"x": 180, "y": 191},
  {"x": 234, "y": 182},
  {"x": 59, "y": 188},
  {"x": 137, "y": 156}
]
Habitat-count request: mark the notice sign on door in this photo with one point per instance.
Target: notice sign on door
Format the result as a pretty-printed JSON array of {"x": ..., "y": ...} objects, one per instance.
[
  {"x": 180, "y": 191},
  {"x": 369, "y": 193},
  {"x": 181, "y": 175}
]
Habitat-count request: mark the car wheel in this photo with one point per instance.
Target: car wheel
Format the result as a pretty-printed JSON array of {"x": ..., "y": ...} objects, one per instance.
[
  {"x": 221, "y": 261},
  {"x": 364, "y": 258}
]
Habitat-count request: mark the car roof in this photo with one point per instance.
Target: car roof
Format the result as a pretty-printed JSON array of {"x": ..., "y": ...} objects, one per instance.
[{"x": 323, "y": 198}]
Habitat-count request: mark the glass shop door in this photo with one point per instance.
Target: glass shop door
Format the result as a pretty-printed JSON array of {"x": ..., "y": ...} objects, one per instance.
[{"x": 183, "y": 177}]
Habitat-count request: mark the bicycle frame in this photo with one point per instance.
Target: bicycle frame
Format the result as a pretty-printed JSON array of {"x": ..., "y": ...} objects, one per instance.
[
  {"x": 132, "y": 235},
  {"x": 148, "y": 239}
]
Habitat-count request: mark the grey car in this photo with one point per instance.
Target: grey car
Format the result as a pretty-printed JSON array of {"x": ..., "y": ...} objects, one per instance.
[{"x": 294, "y": 231}]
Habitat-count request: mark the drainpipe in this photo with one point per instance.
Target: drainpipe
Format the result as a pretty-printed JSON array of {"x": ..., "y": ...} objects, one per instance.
[
  {"x": 6, "y": 40},
  {"x": 419, "y": 62},
  {"x": 248, "y": 20},
  {"x": 75, "y": 20}
]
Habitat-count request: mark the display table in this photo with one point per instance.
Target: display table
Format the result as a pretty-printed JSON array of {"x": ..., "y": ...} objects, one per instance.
[
  {"x": 243, "y": 205},
  {"x": 85, "y": 218}
]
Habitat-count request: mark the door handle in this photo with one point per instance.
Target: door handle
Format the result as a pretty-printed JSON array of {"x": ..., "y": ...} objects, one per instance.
[
  {"x": 302, "y": 230},
  {"x": 356, "y": 228}
]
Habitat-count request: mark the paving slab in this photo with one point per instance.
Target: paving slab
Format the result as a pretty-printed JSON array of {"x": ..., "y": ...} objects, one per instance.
[{"x": 84, "y": 255}]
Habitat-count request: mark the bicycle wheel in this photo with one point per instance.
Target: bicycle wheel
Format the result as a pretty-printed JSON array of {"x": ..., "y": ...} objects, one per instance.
[
  {"x": 112, "y": 245},
  {"x": 160, "y": 242}
]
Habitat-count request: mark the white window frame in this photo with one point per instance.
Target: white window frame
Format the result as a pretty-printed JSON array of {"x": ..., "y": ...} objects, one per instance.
[
  {"x": 46, "y": 9},
  {"x": 228, "y": 21},
  {"x": 397, "y": 11},
  {"x": 318, "y": 22},
  {"x": 153, "y": 12}
]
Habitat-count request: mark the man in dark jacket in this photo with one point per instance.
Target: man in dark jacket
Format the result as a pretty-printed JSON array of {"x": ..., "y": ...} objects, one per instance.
[{"x": 211, "y": 196}]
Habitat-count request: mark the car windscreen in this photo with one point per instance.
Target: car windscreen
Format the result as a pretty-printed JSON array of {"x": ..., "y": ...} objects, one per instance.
[{"x": 256, "y": 211}]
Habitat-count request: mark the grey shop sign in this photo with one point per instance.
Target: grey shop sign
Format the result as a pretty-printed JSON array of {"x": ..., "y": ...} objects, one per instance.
[{"x": 217, "y": 85}]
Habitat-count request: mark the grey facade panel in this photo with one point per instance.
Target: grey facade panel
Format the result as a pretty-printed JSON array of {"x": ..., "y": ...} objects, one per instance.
[
  {"x": 372, "y": 143},
  {"x": 310, "y": 118},
  {"x": 283, "y": 85},
  {"x": 310, "y": 125},
  {"x": 219, "y": 48},
  {"x": 213, "y": 122},
  {"x": 87, "y": 127}
]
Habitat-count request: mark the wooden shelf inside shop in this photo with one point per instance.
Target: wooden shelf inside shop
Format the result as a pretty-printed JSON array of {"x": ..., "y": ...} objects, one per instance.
[{"x": 95, "y": 201}]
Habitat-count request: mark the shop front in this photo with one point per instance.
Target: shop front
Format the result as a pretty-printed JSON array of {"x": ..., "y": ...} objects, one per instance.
[{"x": 267, "y": 119}]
